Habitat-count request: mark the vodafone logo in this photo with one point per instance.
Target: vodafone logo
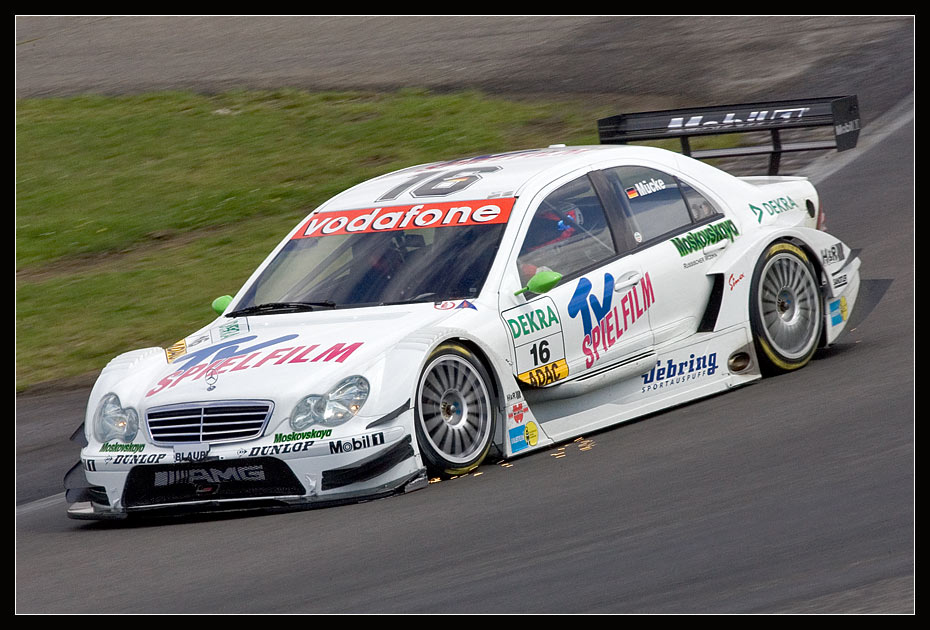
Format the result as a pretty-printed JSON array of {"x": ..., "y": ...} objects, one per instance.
[{"x": 391, "y": 218}]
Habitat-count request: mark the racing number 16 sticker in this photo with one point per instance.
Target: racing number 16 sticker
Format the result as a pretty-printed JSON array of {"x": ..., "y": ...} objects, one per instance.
[{"x": 539, "y": 347}]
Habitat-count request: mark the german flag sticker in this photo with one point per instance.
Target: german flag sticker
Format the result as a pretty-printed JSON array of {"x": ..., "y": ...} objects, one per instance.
[{"x": 631, "y": 193}]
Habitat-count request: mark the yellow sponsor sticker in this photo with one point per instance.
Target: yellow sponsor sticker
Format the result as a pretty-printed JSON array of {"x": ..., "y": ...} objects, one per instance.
[
  {"x": 177, "y": 350},
  {"x": 545, "y": 374},
  {"x": 531, "y": 433}
]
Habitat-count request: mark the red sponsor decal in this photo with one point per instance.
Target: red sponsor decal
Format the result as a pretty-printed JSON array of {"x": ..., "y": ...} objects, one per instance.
[
  {"x": 733, "y": 281},
  {"x": 517, "y": 411},
  {"x": 419, "y": 216}
]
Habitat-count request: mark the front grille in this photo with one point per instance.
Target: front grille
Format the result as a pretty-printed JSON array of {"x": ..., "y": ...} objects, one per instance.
[
  {"x": 223, "y": 421},
  {"x": 251, "y": 478}
]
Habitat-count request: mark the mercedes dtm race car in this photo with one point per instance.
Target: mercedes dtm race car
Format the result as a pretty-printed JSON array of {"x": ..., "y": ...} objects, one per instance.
[{"x": 422, "y": 320}]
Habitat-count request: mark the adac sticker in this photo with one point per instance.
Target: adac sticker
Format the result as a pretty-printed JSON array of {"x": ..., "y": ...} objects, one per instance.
[{"x": 538, "y": 342}]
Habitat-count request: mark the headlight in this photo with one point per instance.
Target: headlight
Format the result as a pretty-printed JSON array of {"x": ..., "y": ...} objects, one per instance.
[
  {"x": 340, "y": 404},
  {"x": 113, "y": 422}
]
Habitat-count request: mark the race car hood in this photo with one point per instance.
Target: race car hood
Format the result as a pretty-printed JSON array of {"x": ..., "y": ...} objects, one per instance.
[{"x": 283, "y": 356}]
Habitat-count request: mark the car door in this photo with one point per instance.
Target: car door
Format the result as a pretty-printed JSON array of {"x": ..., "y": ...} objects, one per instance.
[
  {"x": 596, "y": 316},
  {"x": 677, "y": 232}
]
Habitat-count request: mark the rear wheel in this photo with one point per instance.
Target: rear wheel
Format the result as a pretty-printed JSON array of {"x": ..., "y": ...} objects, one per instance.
[
  {"x": 455, "y": 411},
  {"x": 786, "y": 308}
]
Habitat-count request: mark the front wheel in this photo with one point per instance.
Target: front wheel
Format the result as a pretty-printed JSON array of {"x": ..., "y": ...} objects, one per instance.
[
  {"x": 786, "y": 308},
  {"x": 455, "y": 411}
]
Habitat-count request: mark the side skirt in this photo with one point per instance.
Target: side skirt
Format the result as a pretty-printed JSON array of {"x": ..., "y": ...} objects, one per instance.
[{"x": 684, "y": 371}]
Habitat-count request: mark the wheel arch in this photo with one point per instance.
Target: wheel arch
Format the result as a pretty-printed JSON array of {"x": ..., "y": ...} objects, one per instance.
[
  {"x": 497, "y": 384},
  {"x": 820, "y": 272},
  {"x": 416, "y": 349},
  {"x": 434, "y": 456},
  {"x": 741, "y": 259},
  {"x": 774, "y": 356},
  {"x": 485, "y": 360}
]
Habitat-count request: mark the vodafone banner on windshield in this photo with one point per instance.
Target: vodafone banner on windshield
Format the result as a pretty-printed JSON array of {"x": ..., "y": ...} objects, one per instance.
[{"x": 390, "y": 218}]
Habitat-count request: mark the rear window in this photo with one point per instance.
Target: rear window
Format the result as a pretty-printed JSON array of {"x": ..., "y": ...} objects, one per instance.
[{"x": 654, "y": 202}]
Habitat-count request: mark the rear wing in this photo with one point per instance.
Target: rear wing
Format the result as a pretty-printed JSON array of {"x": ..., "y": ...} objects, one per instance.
[{"x": 839, "y": 112}]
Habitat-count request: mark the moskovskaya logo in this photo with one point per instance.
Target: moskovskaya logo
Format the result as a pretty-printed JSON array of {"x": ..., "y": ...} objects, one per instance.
[
  {"x": 112, "y": 447},
  {"x": 313, "y": 434},
  {"x": 698, "y": 240}
]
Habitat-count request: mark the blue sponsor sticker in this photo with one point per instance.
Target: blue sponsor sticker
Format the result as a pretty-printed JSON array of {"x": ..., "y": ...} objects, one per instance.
[
  {"x": 838, "y": 311},
  {"x": 517, "y": 439}
]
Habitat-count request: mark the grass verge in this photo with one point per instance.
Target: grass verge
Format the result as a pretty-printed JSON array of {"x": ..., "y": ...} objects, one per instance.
[{"x": 134, "y": 212}]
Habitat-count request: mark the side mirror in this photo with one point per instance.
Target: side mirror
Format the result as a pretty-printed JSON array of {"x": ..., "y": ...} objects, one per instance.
[
  {"x": 220, "y": 304},
  {"x": 542, "y": 282}
]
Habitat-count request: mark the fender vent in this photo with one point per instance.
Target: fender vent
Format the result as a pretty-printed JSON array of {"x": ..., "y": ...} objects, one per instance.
[{"x": 709, "y": 321}]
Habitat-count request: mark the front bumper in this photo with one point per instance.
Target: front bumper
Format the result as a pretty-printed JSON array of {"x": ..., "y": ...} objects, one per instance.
[{"x": 261, "y": 475}]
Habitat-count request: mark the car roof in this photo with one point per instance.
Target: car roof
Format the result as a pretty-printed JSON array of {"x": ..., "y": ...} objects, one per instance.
[{"x": 514, "y": 170}]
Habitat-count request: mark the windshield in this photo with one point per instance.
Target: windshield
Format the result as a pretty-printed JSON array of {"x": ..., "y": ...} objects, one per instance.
[{"x": 433, "y": 257}]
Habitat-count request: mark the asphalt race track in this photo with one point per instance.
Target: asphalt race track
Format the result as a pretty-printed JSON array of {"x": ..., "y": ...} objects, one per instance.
[{"x": 792, "y": 495}]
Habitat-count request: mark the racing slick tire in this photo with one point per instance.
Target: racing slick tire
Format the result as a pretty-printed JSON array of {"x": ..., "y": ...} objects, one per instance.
[
  {"x": 455, "y": 411},
  {"x": 786, "y": 308}
]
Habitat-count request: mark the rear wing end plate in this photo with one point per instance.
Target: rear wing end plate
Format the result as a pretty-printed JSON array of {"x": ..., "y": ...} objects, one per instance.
[{"x": 839, "y": 112}]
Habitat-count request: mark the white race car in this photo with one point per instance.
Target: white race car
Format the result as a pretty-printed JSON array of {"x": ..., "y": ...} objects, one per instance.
[{"x": 421, "y": 321}]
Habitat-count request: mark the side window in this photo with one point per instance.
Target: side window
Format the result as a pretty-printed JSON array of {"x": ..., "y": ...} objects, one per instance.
[
  {"x": 568, "y": 233},
  {"x": 700, "y": 206},
  {"x": 654, "y": 202}
]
